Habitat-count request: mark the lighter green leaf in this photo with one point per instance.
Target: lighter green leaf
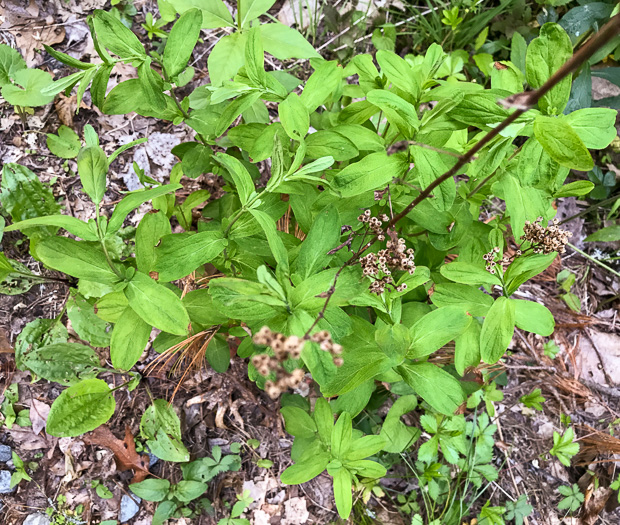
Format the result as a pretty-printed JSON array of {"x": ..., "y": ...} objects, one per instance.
[
  {"x": 81, "y": 408},
  {"x": 157, "y": 305},
  {"x": 497, "y": 330}
]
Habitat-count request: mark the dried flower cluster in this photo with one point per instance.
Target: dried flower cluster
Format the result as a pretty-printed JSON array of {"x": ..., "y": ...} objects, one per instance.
[
  {"x": 375, "y": 224},
  {"x": 395, "y": 256},
  {"x": 546, "y": 239},
  {"x": 285, "y": 347}
]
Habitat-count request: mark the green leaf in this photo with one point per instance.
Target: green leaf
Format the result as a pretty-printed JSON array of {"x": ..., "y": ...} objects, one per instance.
[
  {"x": 436, "y": 329},
  {"x": 374, "y": 171},
  {"x": 99, "y": 85},
  {"x": 563, "y": 446},
  {"x": 189, "y": 490},
  {"x": 429, "y": 166},
  {"x": 324, "y": 419},
  {"x": 181, "y": 41},
  {"x": 80, "y": 408},
  {"x": 399, "y": 72},
  {"x": 234, "y": 109},
  {"x": 275, "y": 242},
  {"x": 84, "y": 321},
  {"x": 93, "y": 168},
  {"x": 471, "y": 299},
  {"x": 226, "y": 59},
  {"x": 199, "y": 306},
  {"x": 467, "y": 273},
  {"x": 284, "y": 42},
  {"x": 65, "y": 59},
  {"x": 24, "y": 197},
  {"x": 396, "y": 434},
  {"x": 179, "y": 254},
  {"x": 74, "y": 226},
  {"x": 533, "y": 317},
  {"x": 545, "y": 55},
  {"x": 251, "y": 9},
  {"x": 575, "y": 189},
  {"x": 467, "y": 348},
  {"x": 533, "y": 400},
  {"x": 151, "y": 489},
  {"x": 297, "y": 422},
  {"x": 66, "y": 144},
  {"x": 215, "y": 14},
  {"x": 304, "y": 471},
  {"x": 480, "y": 109},
  {"x": 151, "y": 229},
  {"x": 397, "y": 111},
  {"x": 129, "y": 339},
  {"x": 157, "y": 305},
  {"x": 218, "y": 354},
  {"x": 64, "y": 363},
  {"x": 342, "y": 492},
  {"x": 341, "y": 435},
  {"x": 161, "y": 426},
  {"x": 497, "y": 330},
  {"x": 596, "y": 127},
  {"x": 11, "y": 62},
  {"x": 524, "y": 268},
  {"x": 608, "y": 234},
  {"x": 29, "y": 83},
  {"x": 562, "y": 143},
  {"x": 364, "y": 447},
  {"x": 152, "y": 85},
  {"x": 80, "y": 259},
  {"x": 438, "y": 388},
  {"x": 322, "y": 237},
  {"x": 113, "y": 34},
  {"x": 133, "y": 199},
  {"x": 239, "y": 173},
  {"x": 321, "y": 84},
  {"x": 294, "y": 117},
  {"x": 255, "y": 58},
  {"x": 359, "y": 367}
]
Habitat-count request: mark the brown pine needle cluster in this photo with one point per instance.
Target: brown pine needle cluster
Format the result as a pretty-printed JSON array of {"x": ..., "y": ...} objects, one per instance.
[
  {"x": 546, "y": 239},
  {"x": 285, "y": 347},
  {"x": 394, "y": 257}
]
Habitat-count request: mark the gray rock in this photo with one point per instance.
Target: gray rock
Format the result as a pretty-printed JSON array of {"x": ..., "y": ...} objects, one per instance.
[
  {"x": 152, "y": 459},
  {"x": 5, "y": 482},
  {"x": 5, "y": 453},
  {"x": 129, "y": 508},
  {"x": 37, "y": 519}
]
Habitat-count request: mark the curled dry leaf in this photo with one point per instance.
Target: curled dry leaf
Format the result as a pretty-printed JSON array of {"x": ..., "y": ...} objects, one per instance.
[{"x": 124, "y": 451}]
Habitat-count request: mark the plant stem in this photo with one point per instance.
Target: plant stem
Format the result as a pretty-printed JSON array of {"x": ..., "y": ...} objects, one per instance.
[
  {"x": 591, "y": 208},
  {"x": 595, "y": 261},
  {"x": 103, "y": 246}
]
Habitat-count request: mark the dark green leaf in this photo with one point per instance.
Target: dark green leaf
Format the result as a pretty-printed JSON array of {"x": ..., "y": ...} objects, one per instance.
[
  {"x": 438, "y": 388},
  {"x": 64, "y": 363},
  {"x": 81, "y": 408}
]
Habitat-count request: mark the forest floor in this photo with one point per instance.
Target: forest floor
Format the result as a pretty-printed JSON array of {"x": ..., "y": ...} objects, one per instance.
[{"x": 582, "y": 381}]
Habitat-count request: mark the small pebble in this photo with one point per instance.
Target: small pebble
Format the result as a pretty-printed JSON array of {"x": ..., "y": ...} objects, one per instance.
[
  {"x": 129, "y": 508},
  {"x": 5, "y": 453},
  {"x": 5, "y": 482},
  {"x": 37, "y": 519}
]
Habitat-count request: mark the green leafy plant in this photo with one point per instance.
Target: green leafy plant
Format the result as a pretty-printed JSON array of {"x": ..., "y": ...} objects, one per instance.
[
  {"x": 564, "y": 448},
  {"x": 573, "y": 498},
  {"x": 338, "y": 263},
  {"x": 173, "y": 499}
]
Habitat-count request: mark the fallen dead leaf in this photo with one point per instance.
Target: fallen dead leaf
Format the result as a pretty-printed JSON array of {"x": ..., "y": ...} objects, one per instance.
[
  {"x": 295, "y": 511},
  {"x": 65, "y": 108},
  {"x": 124, "y": 451},
  {"x": 38, "y": 415}
]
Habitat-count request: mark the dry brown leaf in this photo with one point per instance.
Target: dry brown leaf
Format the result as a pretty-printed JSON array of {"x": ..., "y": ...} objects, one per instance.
[
  {"x": 124, "y": 451},
  {"x": 5, "y": 346},
  {"x": 38, "y": 415},
  {"x": 30, "y": 36},
  {"x": 65, "y": 108}
]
